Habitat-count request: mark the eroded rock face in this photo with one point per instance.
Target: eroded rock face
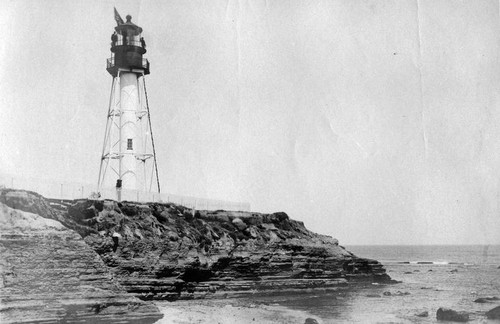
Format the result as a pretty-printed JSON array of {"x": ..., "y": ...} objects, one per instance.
[
  {"x": 166, "y": 251},
  {"x": 49, "y": 274}
]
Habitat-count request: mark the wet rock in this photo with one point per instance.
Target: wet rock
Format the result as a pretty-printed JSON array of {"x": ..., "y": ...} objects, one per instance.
[
  {"x": 493, "y": 313},
  {"x": 446, "y": 314},
  {"x": 454, "y": 271},
  {"x": 387, "y": 293},
  {"x": 423, "y": 314},
  {"x": 481, "y": 300},
  {"x": 373, "y": 296}
]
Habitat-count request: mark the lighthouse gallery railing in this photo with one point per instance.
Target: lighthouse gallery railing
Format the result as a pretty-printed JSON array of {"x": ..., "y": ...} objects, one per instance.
[{"x": 111, "y": 63}]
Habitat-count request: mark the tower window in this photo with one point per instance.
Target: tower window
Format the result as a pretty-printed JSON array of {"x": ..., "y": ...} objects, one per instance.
[{"x": 129, "y": 144}]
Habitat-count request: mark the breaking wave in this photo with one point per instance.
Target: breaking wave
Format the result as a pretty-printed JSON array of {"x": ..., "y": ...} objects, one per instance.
[{"x": 432, "y": 262}]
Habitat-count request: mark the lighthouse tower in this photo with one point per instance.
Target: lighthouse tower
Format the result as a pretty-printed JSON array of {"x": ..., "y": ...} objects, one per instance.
[{"x": 128, "y": 168}]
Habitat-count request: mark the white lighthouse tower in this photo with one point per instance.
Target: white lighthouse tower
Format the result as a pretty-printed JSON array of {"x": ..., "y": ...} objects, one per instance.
[{"x": 128, "y": 168}]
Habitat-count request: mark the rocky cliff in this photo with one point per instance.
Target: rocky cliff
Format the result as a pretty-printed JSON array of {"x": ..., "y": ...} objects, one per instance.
[
  {"x": 166, "y": 251},
  {"x": 50, "y": 275}
]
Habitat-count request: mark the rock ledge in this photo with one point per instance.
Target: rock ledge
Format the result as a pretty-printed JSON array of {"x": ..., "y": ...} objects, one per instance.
[{"x": 166, "y": 251}]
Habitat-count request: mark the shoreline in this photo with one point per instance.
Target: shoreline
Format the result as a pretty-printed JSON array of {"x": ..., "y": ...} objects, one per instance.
[
  {"x": 229, "y": 311},
  {"x": 422, "y": 291}
]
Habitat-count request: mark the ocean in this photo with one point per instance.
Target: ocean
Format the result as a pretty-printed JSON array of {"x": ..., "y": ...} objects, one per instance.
[{"x": 431, "y": 277}]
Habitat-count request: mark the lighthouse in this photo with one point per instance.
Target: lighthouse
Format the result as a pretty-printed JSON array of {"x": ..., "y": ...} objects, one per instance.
[{"x": 128, "y": 168}]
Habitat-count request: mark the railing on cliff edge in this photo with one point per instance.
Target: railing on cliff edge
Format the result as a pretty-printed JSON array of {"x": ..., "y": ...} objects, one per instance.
[{"x": 71, "y": 191}]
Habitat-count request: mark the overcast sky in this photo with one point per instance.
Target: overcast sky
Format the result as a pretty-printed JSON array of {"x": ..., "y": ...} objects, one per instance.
[{"x": 376, "y": 122}]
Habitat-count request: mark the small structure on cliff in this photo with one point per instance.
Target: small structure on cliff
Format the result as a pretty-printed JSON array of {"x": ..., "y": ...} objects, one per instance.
[{"x": 128, "y": 160}]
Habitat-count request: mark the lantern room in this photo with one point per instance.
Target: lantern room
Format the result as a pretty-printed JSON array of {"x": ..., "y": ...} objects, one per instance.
[{"x": 127, "y": 49}]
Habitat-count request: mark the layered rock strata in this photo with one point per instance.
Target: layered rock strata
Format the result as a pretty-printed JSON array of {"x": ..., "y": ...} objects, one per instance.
[
  {"x": 166, "y": 251},
  {"x": 48, "y": 274}
]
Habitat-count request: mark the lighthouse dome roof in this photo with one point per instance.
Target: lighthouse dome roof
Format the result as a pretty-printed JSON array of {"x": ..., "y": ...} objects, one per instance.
[{"x": 129, "y": 27}]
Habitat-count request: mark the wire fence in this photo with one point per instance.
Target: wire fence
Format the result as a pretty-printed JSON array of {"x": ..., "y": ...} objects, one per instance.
[{"x": 72, "y": 191}]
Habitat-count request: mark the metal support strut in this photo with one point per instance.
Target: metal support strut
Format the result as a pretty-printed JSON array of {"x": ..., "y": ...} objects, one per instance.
[{"x": 151, "y": 130}]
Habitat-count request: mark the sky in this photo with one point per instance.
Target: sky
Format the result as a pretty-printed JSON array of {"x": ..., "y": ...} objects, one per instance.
[{"x": 375, "y": 122}]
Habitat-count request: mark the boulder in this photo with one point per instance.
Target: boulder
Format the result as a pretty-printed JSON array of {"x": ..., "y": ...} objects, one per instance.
[
  {"x": 493, "y": 313},
  {"x": 423, "y": 314},
  {"x": 162, "y": 217},
  {"x": 278, "y": 217},
  {"x": 446, "y": 314},
  {"x": 255, "y": 219},
  {"x": 252, "y": 232},
  {"x": 172, "y": 236},
  {"x": 188, "y": 215},
  {"x": 239, "y": 224},
  {"x": 268, "y": 227},
  {"x": 310, "y": 320}
]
